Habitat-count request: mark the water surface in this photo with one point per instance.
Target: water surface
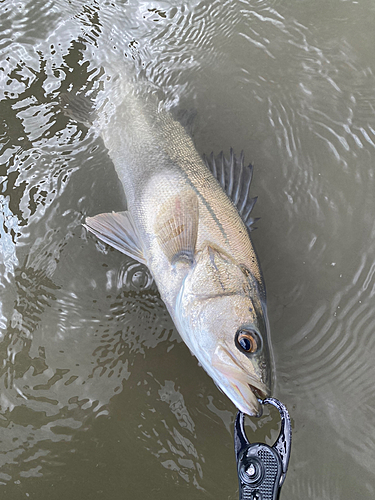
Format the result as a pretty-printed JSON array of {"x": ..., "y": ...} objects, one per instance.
[{"x": 99, "y": 397}]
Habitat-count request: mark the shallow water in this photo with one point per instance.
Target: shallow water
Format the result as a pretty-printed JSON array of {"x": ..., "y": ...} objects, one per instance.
[{"x": 99, "y": 397}]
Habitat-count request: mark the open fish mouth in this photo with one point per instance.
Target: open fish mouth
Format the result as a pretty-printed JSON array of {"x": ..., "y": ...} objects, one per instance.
[
  {"x": 249, "y": 396},
  {"x": 243, "y": 388},
  {"x": 259, "y": 393}
]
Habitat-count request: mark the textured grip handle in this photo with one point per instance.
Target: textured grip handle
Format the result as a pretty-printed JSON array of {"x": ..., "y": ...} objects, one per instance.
[{"x": 259, "y": 472}]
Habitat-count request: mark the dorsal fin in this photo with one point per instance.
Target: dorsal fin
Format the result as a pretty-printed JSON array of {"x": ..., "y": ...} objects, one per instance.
[{"x": 235, "y": 179}]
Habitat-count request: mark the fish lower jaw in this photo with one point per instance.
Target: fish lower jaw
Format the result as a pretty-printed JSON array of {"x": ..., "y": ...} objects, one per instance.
[
  {"x": 244, "y": 389},
  {"x": 249, "y": 392},
  {"x": 258, "y": 390},
  {"x": 245, "y": 396},
  {"x": 251, "y": 402}
]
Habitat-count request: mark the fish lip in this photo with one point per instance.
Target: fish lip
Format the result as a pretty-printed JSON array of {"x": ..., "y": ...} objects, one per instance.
[
  {"x": 249, "y": 389},
  {"x": 255, "y": 383},
  {"x": 250, "y": 405},
  {"x": 259, "y": 392}
]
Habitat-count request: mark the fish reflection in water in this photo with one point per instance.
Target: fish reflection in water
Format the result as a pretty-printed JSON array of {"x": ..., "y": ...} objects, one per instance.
[{"x": 188, "y": 221}]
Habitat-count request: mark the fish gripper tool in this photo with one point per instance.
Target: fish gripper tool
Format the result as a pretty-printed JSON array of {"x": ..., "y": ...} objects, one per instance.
[{"x": 261, "y": 468}]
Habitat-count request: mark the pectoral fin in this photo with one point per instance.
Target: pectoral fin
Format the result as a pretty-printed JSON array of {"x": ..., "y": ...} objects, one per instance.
[
  {"x": 177, "y": 226},
  {"x": 235, "y": 179},
  {"x": 118, "y": 230}
]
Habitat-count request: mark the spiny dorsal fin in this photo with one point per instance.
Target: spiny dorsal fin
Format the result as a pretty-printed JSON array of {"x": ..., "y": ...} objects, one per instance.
[
  {"x": 235, "y": 179},
  {"x": 177, "y": 226},
  {"x": 118, "y": 230}
]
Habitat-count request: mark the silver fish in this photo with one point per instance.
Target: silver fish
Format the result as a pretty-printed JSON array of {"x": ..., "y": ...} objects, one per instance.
[{"x": 188, "y": 221}]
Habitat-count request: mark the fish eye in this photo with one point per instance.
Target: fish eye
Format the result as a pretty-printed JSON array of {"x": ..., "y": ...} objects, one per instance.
[{"x": 248, "y": 341}]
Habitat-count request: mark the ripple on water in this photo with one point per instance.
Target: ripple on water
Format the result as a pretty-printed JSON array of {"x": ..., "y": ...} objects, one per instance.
[
  {"x": 83, "y": 325},
  {"x": 48, "y": 388},
  {"x": 332, "y": 362}
]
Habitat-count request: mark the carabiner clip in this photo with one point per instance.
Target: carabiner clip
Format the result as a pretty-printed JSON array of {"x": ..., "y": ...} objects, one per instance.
[{"x": 261, "y": 468}]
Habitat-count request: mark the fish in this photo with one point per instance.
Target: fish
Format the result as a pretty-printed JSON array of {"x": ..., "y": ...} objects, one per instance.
[{"x": 188, "y": 219}]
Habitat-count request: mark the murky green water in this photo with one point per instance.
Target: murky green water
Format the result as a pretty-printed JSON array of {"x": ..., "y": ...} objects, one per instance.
[{"x": 99, "y": 397}]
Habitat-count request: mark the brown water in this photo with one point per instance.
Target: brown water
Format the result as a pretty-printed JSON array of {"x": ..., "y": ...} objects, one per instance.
[{"x": 99, "y": 397}]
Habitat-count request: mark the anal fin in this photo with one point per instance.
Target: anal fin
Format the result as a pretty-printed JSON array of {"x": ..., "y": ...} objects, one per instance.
[{"x": 117, "y": 229}]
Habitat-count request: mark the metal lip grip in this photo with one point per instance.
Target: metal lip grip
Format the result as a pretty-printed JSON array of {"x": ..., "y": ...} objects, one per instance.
[{"x": 261, "y": 468}]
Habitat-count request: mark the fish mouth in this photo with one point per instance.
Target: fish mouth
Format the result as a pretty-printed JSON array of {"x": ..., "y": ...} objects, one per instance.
[
  {"x": 250, "y": 396},
  {"x": 245, "y": 389},
  {"x": 259, "y": 393}
]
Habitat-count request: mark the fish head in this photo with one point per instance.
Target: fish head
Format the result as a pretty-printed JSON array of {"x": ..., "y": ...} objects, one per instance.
[{"x": 222, "y": 318}]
